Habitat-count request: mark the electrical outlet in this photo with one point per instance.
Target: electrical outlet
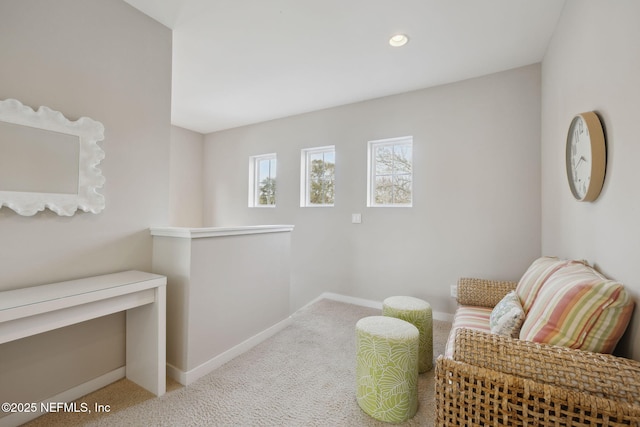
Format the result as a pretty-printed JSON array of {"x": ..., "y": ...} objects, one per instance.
[
  {"x": 454, "y": 291},
  {"x": 356, "y": 218}
]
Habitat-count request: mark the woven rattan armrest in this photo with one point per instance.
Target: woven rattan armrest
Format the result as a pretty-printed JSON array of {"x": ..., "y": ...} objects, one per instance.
[
  {"x": 603, "y": 375},
  {"x": 468, "y": 395},
  {"x": 483, "y": 292}
]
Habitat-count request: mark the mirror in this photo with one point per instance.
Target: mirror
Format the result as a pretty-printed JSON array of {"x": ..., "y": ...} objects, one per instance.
[{"x": 48, "y": 161}]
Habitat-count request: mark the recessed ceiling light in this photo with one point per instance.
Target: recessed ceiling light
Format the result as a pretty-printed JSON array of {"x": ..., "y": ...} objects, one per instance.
[{"x": 398, "y": 40}]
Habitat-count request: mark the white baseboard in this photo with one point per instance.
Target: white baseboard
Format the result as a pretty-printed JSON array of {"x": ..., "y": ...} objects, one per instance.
[
  {"x": 351, "y": 300},
  {"x": 443, "y": 317},
  {"x": 70, "y": 395},
  {"x": 437, "y": 315},
  {"x": 188, "y": 377}
]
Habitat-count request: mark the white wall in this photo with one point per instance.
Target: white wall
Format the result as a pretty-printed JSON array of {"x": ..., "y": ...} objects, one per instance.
[
  {"x": 593, "y": 63},
  {"x": 477, "y": 190},
  {"x": 185, "y": 192},
  {"x": 105, "y": 60},
  {"x": 221, "y": 291}
]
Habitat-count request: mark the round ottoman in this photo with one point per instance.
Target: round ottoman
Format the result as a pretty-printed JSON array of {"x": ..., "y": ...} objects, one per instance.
[
  {"x": 418, "y": 313},
  {"x": 387, "y": 368}
]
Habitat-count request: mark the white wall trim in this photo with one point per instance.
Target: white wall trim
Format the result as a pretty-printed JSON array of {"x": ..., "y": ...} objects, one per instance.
[
  {"x": 351, "y": 300},
  {"x": 437, "y": 315},
  {"x": 202, "y": 232},
  {"x": 186, "y": 378},
  {"x": 70, "y": 395}
]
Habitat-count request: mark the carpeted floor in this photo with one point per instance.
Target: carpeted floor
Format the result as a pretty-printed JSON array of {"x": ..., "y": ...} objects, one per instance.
[{"x": 302, "y": 376}]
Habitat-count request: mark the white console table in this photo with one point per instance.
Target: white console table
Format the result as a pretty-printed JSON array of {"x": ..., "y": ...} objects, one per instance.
[{"x": 29, "y": 311}]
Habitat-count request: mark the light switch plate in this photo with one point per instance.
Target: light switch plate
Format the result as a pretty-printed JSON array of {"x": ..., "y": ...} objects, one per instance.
[{"x": 356, "y": 218}]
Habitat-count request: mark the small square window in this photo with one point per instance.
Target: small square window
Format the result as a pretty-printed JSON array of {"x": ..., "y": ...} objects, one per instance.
[
  {"x": 262, "y": 181},
  {"x": 390, "y": 179},
  {"x": 317, "y": 178}
]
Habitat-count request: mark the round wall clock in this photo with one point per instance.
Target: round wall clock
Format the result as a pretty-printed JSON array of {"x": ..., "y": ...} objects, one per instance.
[{"x": 586, "y": 156}]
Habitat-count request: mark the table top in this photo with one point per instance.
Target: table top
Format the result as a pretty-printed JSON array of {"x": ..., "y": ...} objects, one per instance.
[{"x": 116, "y": 283}]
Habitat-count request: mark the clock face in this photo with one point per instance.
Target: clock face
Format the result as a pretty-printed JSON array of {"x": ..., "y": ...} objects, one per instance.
[
  {"x": 586, "y": 156},
  {"x": 579, "y": 157}
]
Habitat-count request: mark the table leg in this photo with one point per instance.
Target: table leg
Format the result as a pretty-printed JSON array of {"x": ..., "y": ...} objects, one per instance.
[{"x": 146, "y": 344}]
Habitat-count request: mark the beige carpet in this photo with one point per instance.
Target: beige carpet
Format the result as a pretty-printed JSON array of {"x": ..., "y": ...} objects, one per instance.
[{"x": 302, "y": 376}]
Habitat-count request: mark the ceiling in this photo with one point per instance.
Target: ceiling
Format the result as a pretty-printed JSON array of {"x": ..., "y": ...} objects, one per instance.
[{"x": 237, "y": 62}]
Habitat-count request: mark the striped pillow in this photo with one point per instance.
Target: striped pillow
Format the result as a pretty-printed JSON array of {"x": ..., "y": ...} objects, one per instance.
[
  {"x": 533, "y": 279},
  {"x": 467, "y": 317},
  {"x": 578, "y": 308}
]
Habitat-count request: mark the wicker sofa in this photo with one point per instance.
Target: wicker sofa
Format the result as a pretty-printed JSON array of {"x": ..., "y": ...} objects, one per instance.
[{"x": 490, "y": 379}]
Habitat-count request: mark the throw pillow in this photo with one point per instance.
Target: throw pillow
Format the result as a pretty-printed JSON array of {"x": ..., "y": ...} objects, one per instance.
[
  {"x": 507, "y": 316},
  {"x": 579, "y": 308},
  {"x": 535, "y": 276}
]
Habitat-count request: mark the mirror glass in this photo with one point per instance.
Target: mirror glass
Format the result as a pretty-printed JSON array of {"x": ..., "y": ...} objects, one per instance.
[
  {"x": 47, "y": 161},
  {"x": 37, "y": 160}
]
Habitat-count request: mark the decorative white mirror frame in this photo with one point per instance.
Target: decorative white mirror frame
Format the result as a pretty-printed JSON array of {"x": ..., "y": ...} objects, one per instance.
[{"x": 90, "y": 178}]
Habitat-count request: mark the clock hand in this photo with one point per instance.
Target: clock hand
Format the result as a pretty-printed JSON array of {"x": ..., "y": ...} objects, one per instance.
[{"x": 580, "y": 160}]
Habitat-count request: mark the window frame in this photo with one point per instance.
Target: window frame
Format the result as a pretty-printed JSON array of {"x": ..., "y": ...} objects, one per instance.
[
  {"x": 371, "y": 170},
  {"x": 305, "y": 182},
  {"x": 254, "y": 177}
]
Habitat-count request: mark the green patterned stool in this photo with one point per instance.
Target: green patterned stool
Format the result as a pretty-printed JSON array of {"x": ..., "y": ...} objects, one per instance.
[
  {"x": 418, "y": 313},
  {"x": 387, "y": 368}
]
